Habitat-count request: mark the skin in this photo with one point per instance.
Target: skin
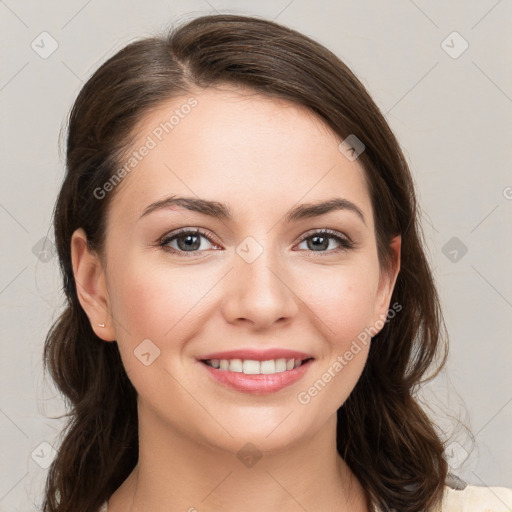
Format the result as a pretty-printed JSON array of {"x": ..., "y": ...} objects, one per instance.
[{"x": 260, "y": 156}]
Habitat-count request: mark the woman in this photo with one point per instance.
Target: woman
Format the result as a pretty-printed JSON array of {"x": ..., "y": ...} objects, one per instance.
[{"x": 250, "y": 308}]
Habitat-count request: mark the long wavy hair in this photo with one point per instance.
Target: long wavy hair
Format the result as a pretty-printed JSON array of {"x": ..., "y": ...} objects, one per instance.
[{"x": 383, "y": 434}]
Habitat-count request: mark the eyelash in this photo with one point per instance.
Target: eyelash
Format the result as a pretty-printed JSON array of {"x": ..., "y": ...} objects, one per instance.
[{"x": 345, "y": 243}]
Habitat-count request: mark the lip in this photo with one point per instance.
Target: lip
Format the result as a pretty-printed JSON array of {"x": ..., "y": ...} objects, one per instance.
[
  {"x": 260, "y": 384},
  {"x": 258, "y": 354}
]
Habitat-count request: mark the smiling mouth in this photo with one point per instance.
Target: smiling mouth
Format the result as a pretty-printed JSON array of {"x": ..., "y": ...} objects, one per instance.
[{"x": 254, "y": 367}]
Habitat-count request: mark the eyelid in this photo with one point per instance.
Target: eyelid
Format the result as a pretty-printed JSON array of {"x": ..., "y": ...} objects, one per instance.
[
  {"x": 195, "y": 230},
  {"x": 319, "y": 231}
]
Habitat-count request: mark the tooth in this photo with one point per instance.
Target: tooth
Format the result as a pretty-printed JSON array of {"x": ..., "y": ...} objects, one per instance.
[
  {"x": 280, "y": 365},
  {"x": 268, "y": 367},
  {"x": 251, "y": 367},
  {"x": 235, "y": 365}
]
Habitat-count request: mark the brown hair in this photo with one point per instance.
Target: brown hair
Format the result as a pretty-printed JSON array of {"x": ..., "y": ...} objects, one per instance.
[{"x": 383, "y": 434}]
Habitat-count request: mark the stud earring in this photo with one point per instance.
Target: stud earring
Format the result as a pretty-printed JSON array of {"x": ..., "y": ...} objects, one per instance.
[{"x": 101, "y": 325}]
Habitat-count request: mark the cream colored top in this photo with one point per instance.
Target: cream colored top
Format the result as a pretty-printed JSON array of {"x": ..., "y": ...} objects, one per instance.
[
  {"x": 477, "y": 499},
  {"x": 470, "y": 499}
]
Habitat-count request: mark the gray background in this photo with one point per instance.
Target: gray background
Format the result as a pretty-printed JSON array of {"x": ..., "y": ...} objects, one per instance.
[{"x": 451, "y": 112}]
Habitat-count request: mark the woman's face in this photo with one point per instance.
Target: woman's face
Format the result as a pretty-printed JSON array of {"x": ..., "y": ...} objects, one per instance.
[{"x": 262, "y": 282}]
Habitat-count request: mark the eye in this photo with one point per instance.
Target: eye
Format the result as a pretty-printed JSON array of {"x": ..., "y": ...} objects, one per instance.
[
  {"x": 321, "y": 239},
  {"x": 187, "y": 240}
]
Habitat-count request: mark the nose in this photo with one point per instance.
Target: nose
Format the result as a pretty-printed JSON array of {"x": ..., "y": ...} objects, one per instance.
[{"x": 259, "y": 293}]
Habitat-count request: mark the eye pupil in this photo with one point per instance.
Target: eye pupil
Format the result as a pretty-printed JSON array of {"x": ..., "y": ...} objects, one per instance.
[
  {"x": 189, "y": 244},
  {"x": 315, "y": 240}
]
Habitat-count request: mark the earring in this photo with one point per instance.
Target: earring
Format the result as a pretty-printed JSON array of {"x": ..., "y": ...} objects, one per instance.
[{"x": 101, "y": 325}]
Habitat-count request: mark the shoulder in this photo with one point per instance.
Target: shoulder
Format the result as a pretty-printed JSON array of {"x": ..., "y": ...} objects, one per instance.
[
  {"x": 460, "y": 497},
  {"x": 474, "y": 498},
  {"x": 471, "y": 498}
]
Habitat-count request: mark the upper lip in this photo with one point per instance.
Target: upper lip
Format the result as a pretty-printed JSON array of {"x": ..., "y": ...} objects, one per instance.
[{"x": 258, "y": 354}]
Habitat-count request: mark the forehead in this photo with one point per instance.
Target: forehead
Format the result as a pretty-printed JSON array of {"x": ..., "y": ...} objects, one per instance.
[{"x": 240, "y": 148}]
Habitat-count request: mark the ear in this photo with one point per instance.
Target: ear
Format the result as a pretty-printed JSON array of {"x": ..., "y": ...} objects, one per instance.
[
  {"x": 387, "y": 282},
  {"x": 91, "y": 286}
]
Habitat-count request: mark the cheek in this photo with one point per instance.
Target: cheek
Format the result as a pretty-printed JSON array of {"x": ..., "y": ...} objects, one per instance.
[
  {"x": 151, "y": 301},
  {"x": 171, "y": 306},
  {"x": 162, "y": 304},
  {"x": 342, "y": 305},
  {"x": 342, "y": 301}
]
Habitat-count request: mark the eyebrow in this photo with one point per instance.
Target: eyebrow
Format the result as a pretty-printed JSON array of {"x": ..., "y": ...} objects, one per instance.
[{"x": 223, "y": 212}]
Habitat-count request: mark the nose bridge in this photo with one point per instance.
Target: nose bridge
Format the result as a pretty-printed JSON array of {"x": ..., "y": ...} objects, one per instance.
[
  {"x": 259, "y": 290},
  {"x": 258, "y": 266}
]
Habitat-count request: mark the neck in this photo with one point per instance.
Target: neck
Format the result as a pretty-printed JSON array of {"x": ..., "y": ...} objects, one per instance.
[{"x": 174, "y": 470}]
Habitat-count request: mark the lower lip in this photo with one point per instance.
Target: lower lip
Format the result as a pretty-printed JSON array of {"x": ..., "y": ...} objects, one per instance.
[{"x": 258, "y": 384}]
